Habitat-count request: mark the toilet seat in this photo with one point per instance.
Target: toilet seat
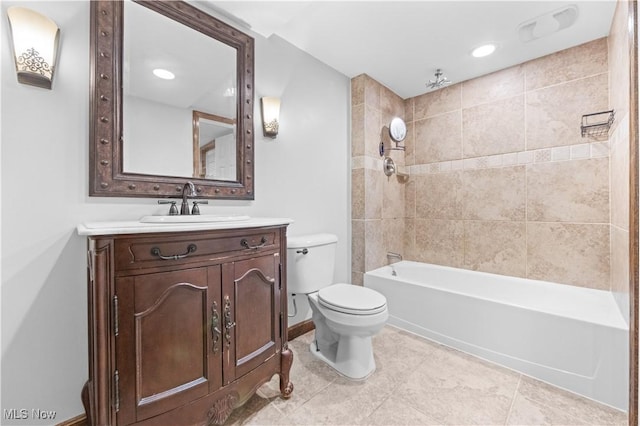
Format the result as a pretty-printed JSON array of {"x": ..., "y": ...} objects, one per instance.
[{"x": 352, "y": 299}]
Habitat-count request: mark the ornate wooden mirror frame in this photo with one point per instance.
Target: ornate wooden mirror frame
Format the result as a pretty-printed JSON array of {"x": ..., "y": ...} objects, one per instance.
[{"x": 106, "y": 176}]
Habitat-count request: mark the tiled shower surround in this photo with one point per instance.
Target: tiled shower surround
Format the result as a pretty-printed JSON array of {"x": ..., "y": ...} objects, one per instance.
[
  {"x": 619, "y": 171},
  {"x": 501, "y": 180}
]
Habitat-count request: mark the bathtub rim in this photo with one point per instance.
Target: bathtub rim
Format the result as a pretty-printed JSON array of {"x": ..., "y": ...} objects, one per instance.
[{"x": 613, "y": 318}]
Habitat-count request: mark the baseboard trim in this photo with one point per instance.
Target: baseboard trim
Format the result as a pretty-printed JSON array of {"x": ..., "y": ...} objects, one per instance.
[
  {"x": 80, "y": 420},
  {"x": 300, "y": 328}
]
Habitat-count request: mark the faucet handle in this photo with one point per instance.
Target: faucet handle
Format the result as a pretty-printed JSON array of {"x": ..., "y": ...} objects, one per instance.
[
  {"x": 196, "y": 208},
  {"x": 173, "y": 210}
]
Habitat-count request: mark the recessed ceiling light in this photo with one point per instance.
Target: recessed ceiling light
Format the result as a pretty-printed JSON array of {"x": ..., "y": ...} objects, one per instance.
[
  {"x": 163, "y": 74},
  {"x": 484, "y": 50}
]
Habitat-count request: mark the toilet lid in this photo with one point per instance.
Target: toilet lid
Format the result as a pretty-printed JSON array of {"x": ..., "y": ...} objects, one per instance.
[{"x": 352, "y": 299}]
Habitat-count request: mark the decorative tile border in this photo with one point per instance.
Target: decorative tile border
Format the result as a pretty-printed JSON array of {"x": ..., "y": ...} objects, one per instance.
[
  {"x": 545, "y": 155},
  {"x": 364, "y": 162},
  {"x": 561, "y": 153}
]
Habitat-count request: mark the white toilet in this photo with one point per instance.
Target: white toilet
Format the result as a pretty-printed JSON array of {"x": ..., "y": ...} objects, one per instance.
[{"x": 345, "y": 316}]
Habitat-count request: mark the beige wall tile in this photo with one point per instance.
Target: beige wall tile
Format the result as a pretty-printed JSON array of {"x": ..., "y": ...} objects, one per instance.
[
  {"x": 372, "y": 93},
  {"x": 393, "y": 197},
  {"x": 576, "y": 254},
  {"x": 408, "y": 110},
  {"x": 570, "y": 64},
  {"x": 409, "y": 249},
  {"x": 357, "y": 89},
  {"x": 373, "y": 181},
  {"x": 439, "y": 196},
  {"x": 494, "y": 194},
  {"x": 357, "y": 278},
  {"x": 357, "y": 246},
  {"x": 494, "y": 128},
  {"x": 440, "y": 242},
  {"x": 495, "y": 247},
  {"x": 437, "y": 102},
  {"x": 618, "y": 42},
  {"x": 391, "y": 105},
  {"x": 357, "y": 130},
  {"x": 438, "y": 138},
  {"x": 409, "y": 145},
  {"x": 620, "y": 175},
  {"x": 410, "y": 197},
  {"x": 492, "y": 87},
  {"x": 554, "y": 114},
  {"x": 569, "y": 191},
  {"x": 393, "y": 235},
  {"x": 375, "y": 256},
  {"x": 372, "y": 128},
  {"x": 474, "y": 219},
  {"x": 357, "y": 194},
  {"x": 620, "y": 269}
]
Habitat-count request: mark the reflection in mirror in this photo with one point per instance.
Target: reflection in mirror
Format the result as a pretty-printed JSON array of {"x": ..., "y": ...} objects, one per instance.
[
  {"x": 141, "y": 127},
  {"x": 167, "y": 76},
  {"x": 214, "y": 147},
  {"x": 397, "y": 129}
]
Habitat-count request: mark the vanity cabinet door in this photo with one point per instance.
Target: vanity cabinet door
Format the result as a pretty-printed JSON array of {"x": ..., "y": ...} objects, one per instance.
[
  {"x": 167, "y": 350},
  {"x": 252, "y": 319}
]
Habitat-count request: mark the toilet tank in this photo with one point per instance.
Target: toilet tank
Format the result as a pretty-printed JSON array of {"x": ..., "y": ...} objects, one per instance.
[{"x": 312, "y": 271}]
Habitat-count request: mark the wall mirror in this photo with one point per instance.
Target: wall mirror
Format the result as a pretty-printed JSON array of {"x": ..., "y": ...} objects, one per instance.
[{"x": 148, "y": 134}]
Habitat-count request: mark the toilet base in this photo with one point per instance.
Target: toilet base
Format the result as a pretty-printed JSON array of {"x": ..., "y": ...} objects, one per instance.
[{"x": 354, "y": 368}]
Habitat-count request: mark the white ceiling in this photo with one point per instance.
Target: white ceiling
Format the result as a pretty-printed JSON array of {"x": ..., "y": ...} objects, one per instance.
[{"x": 401, "y": 43}]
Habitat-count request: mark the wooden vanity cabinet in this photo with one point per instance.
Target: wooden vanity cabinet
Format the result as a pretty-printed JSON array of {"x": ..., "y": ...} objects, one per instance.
[{"x": 184, "y": 327}]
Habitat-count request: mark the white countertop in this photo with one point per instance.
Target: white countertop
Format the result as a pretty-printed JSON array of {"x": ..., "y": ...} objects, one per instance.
[{"x": 137, "y": 227}]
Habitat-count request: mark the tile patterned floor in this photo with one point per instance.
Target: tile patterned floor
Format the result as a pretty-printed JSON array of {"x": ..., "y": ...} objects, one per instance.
[{"x": 417, "y": 382}]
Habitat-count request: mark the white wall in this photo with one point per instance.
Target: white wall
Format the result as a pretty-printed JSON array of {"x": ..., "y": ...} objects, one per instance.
[
  {"x": 166, "y": 148},
  {"x": 303, "y": 174}
]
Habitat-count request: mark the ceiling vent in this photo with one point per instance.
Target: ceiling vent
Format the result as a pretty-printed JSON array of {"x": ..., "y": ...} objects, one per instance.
[{"x": 548, "y": 24}]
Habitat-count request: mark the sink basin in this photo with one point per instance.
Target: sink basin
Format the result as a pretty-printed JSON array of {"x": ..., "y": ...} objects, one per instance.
[{"x": 204, "y": 218}]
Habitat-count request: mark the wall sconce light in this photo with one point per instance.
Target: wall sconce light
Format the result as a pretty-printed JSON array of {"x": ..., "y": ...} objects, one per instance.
[
  {"x": 35, "y": 46},
  {"x": 270, "y": 116}
]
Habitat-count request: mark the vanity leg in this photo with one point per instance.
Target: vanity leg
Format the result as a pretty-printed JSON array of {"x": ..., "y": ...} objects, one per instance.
[{"x": 286, "y": 360}]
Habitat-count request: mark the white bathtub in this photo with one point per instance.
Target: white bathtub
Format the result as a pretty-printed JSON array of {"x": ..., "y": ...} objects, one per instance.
[{"x": 571, "y": 337}]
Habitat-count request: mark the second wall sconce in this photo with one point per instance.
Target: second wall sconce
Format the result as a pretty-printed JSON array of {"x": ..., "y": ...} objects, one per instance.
[
  {"x": 35, "y": 46},
  {"x": 270, "y": 116}
]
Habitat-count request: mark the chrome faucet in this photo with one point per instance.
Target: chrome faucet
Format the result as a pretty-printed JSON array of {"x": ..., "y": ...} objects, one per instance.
[
  {"x": 391, "y": 255},
  {"x": 184, "y": 209}
]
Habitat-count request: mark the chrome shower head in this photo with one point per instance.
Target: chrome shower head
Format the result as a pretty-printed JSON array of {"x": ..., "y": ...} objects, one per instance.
[{"x": 439, "y": 81}]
